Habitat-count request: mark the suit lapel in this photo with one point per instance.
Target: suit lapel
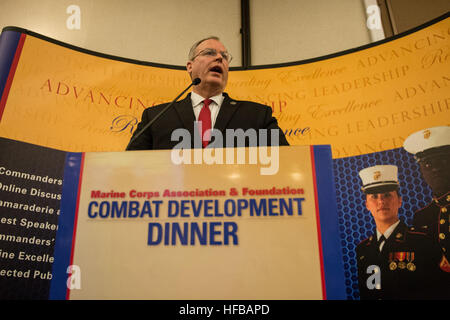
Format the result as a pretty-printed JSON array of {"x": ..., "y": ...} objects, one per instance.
[
  {"x": 186, "y": 114},
  {"x": 226, "y": 111}
]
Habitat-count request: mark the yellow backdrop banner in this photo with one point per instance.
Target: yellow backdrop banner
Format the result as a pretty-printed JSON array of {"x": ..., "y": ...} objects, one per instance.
[{"x": 363, "y": 101}]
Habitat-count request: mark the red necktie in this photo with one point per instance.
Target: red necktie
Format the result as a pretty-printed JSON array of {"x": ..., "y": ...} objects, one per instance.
[{"x": 205, "y": 118}]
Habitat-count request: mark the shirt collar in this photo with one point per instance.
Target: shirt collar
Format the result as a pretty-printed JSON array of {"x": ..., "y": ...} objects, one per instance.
[
  {"x": 389, "y": 231},
  {"x": 198, "y": 99}
]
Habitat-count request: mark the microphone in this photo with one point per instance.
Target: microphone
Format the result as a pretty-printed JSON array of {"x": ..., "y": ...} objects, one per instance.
[{"x": 195, "y": 82}]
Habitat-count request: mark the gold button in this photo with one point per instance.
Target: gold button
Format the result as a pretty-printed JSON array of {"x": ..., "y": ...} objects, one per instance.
[
  {"x": 441, "y": 236},
  {"x": 442, "y": 221},
  {"x": 444, "y": 209}
]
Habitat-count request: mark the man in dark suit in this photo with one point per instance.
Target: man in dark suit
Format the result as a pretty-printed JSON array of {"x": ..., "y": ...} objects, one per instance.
[
  {"x": 431, "y": 149},
  {"x": 395, "y": 262},
  {"x": 209, "y": 61}
]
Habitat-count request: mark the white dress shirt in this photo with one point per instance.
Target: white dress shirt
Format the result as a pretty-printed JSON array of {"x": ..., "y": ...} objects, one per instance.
[
  {"x": 387, "y": 233},
  {"x": 214, "y": 107}
]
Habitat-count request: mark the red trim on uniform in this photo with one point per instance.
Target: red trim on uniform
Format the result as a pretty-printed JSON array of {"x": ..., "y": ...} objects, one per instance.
[
  {"x": 11, "y": 74},
  {"x": 419, "y": 233},
  {"x": 319, "y": 234},
  {"x": 76, "y": 218},
  {"x": 433, "y": 201}
]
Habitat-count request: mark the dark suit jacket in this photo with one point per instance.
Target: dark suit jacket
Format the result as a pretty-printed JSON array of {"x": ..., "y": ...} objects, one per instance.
[{"x": 233, "y": 114}]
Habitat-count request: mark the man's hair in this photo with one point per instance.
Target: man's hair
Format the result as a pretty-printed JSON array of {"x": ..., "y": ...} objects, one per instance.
[{"x": 194, "y": 47}]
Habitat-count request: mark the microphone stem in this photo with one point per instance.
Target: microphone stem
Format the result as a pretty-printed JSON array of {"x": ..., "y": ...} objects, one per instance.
[{"x": 157, "y": 116}]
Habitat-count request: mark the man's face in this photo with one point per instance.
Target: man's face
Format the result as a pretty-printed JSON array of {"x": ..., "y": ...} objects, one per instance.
[
  {"x": 384, "y": 206},
  {"x": 211, "y": 69},
  {"x": 436, "y": 173}
]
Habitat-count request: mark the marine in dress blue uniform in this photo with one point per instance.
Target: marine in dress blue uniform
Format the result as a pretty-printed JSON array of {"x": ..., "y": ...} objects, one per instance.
[
  {"x": 431, "y": 149},
  {"x": 404, "y": 258}
]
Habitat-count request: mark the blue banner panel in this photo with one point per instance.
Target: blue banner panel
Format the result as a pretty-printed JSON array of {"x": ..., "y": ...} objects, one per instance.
[
  {"x": 8, "y": 45},
  {"x": 331, "y": 247},
  {"x": 64, "y": 237},
  {"x": 31, "y": 179}
]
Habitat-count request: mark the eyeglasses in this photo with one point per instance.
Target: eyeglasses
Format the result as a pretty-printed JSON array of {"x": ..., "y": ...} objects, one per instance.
[{"x": 212, "y": 53}]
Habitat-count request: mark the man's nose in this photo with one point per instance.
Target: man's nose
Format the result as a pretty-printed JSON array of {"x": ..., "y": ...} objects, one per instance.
[{"x": 381, "y": 199}]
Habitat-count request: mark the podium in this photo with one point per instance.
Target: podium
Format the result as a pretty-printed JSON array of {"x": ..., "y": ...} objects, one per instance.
[{"x": 136, "y": 225}]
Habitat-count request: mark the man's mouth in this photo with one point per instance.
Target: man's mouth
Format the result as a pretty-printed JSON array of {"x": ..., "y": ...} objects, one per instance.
[{"x": 216, "y": 69}]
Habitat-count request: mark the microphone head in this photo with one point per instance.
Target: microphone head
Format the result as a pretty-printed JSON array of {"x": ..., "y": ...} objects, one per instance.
[{"x": 196, "y": 81}]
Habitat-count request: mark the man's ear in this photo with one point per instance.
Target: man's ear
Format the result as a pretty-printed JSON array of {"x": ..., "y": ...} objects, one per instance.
[{"x": 189, "y": 67}]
